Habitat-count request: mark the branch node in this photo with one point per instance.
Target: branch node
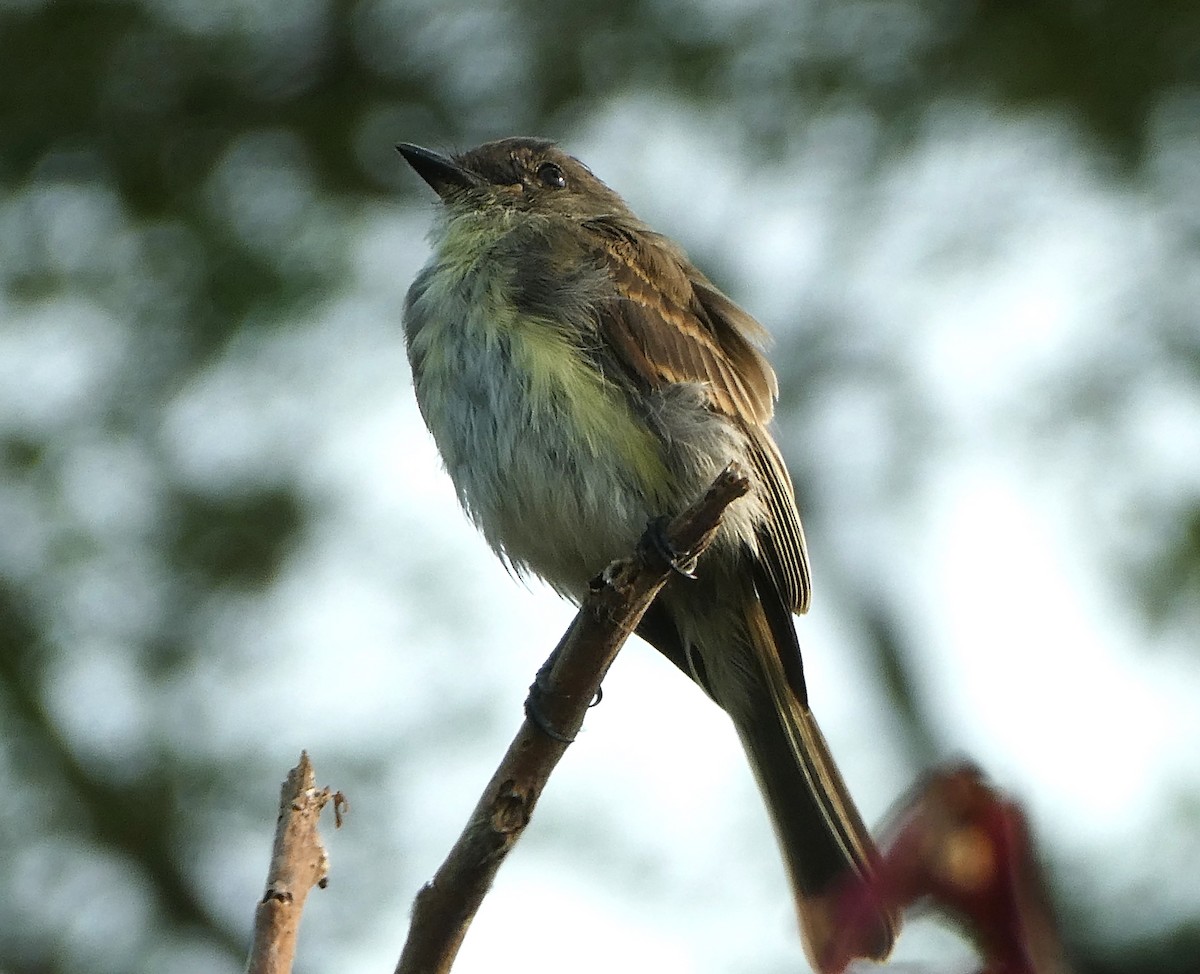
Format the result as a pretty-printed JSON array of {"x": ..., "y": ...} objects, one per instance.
[{"x": 510, "y": 810}]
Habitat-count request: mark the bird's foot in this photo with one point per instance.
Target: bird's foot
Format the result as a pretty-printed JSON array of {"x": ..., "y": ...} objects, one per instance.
[{"x": 656, "y": 537}]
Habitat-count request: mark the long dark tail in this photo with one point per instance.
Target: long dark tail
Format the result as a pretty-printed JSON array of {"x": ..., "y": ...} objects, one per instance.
[{"x": 820, "y": 832}]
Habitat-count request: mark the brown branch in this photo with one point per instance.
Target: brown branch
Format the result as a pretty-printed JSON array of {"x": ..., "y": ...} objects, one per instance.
[
  {"x": 298, "y": 863},
  {"x": 565, "y": 686}
]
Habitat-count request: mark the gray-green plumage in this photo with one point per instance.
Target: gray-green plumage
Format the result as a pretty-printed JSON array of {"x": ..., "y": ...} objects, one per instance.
[{"x": 581, "y": 377}]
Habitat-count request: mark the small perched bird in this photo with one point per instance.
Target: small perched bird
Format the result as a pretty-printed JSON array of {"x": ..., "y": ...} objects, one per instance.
[{"x": 580, "y": 377}]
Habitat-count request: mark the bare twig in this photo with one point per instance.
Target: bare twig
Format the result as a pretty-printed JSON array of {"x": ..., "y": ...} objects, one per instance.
[
  {"x": 298, "y": 863},
  {"x": 565, "y": 686}
]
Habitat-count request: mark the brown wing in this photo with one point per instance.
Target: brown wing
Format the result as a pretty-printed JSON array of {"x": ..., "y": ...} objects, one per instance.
[{"x": 670, "y": 324}]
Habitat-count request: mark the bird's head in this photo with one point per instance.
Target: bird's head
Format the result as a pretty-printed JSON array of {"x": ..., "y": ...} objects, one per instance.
[{"x": 518, "y": 174}]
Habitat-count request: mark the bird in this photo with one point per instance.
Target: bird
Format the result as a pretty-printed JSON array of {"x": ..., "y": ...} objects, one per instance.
[{"x": 580, "y": 378}]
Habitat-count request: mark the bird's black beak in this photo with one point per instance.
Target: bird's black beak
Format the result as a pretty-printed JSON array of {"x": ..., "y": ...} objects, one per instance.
[{"x": 441, "y": 172}]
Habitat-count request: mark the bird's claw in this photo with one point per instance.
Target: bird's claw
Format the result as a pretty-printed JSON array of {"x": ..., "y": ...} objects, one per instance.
[{"x": 656, "y": 532}]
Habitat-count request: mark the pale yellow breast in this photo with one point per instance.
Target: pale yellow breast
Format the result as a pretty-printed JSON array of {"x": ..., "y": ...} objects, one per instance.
[{"x": 547, "y": 456}]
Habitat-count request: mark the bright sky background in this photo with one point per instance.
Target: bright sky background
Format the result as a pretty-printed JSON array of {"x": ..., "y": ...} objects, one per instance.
[{"x": 992, "y": 257}]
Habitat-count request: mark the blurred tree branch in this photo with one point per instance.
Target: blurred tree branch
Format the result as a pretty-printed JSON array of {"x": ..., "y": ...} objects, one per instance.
[
  {"x": 127, "y": 818},
  {"x": 959, "y": 845},
  {"x": 298, "y": 863},
  {"x": 133, "y": 109}
]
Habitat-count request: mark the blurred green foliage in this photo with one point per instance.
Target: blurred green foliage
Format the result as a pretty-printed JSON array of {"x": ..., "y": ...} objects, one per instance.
[{"x": 133, "y": 117}]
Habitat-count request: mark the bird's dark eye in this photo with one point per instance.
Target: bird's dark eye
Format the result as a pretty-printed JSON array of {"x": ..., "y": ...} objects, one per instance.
[{"x": 551, "y": 175}]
